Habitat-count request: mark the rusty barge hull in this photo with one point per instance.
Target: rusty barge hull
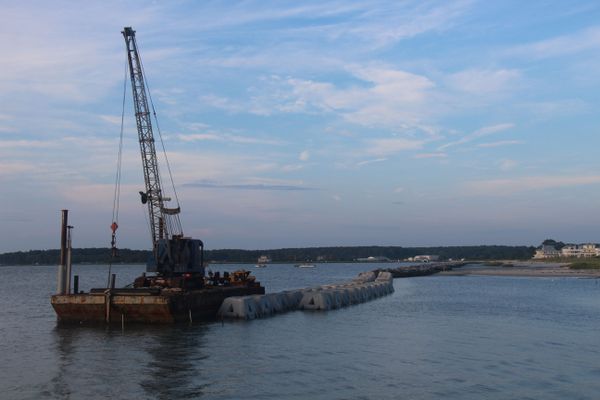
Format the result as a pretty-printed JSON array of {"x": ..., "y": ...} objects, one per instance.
[{"x": 143, "y": 306}]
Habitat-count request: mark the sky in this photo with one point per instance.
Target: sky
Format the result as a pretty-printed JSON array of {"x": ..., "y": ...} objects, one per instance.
[{"x": 314, "y": 123}]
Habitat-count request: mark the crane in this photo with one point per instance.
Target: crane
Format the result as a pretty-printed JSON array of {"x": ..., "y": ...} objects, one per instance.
[{"x": 174, "y": 255}]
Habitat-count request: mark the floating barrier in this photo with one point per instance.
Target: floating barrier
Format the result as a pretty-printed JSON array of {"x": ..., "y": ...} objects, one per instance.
[
  {"x": 239, "y": 307},
  {"x": 365, "y": 287}
]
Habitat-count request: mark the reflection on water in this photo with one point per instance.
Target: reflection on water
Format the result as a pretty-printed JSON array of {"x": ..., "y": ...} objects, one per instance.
[
  {"x": 59, "y": 384},
  {"x": 174, "y": 369},
  {"x": 435, "y": 337},
  {"x": 162, "y": 362}
]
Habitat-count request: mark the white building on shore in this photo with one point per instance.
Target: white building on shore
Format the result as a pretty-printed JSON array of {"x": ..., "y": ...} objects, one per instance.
[
  {"x": 570, "y": 250},
  {"x": 547, "y": 251},
  {"x": 425, "y": 258},
  {"x": 580, "y": 250}
]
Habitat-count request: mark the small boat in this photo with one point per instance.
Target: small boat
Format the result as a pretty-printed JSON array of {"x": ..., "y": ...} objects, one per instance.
[
  {"x": 305, "y": 265},
  {"x": 263, "y": 261}
]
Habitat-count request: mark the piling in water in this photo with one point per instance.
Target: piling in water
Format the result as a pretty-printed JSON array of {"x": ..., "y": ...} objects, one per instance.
[
  {"x": 76, "y": 284},
  {"x": 62, "y": 268}
]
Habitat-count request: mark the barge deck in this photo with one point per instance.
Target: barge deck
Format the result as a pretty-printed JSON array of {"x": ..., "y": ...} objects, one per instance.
[{"x": 145, "y": 305}]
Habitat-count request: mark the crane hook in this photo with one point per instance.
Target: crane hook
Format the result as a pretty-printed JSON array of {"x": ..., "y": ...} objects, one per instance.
[{"x": 113, "y": 240}]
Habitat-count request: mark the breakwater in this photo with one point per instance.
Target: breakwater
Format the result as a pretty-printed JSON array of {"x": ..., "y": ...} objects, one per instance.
[
  {"x": 422, "y": 269},
  {"x": 365, "y": 287}
]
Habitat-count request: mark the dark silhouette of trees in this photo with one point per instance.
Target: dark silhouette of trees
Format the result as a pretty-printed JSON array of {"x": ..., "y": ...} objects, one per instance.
[
  {"x": 554, "y": 243},
  {"x": 315, "y": 254}
]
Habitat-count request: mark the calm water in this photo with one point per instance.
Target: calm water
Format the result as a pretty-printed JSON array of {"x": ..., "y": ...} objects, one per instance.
[{"x": 435, "y": 337}]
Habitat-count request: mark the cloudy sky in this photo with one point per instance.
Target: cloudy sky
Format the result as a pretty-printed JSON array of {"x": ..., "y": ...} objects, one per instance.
[{"x": 320, "y": 123}]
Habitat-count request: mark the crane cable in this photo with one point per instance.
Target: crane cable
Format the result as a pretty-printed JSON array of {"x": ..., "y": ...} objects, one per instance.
[{"x": 117, "y": 190}]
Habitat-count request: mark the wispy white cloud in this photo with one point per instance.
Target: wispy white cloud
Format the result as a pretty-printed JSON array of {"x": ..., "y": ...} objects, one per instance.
[
  {"x": 291, "y": 167},
  {"x": 304, "y": 155},
  {"x": 507, "y": 164},
  {"x": 350, "y": 24},
  {"x": 385, "y": 97},
  {"x": 500, "y": 143},
  {"x": 193, "y": 137},
  {"x": 221, "y": 166},
  {"x": 564, "y": 45},
  {"x": 391, "y": 98},
  {"x": 554, "y": 108},
  {"x": 12, "y": 169},
  {"x": 479, "y": 133},
  {"x": 499, "y": 187},
  {"x": 484, "y": 81},
  {"x": 27, "y": 144},
  {"x": 223, "y": 103},
  {"x": 408, "y": 19},
  {"x": 251, "y": 186},
  {"x": 367, "y": 162},
  {"x": 383, "y": 147},
  {"x": 431, "y": 155},
  {"x": 111, "y": 119}
]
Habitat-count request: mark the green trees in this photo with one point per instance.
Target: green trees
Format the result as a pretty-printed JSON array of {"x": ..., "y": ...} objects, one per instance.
[
  {"x": 554, "y": 243},
  {"x": 315, "y": 254}
]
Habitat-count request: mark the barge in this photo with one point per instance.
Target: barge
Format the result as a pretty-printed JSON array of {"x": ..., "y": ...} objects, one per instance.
[
  {"x": 149, "y": 306},
  {"x": 153, "y": 299},
  {"x": 176, "y": 288}
]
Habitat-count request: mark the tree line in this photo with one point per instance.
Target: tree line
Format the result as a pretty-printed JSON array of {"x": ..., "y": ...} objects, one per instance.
[{"x": 314, "y": 254}]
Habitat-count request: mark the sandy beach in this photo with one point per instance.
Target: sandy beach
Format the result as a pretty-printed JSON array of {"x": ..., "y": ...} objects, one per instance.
[{"x": 527, "y": 268}]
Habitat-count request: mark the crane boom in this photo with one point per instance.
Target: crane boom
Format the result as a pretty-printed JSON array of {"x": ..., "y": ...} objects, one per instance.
[
  {"x": 172, "y": 253},
  {"x": 154, "y": 193}
]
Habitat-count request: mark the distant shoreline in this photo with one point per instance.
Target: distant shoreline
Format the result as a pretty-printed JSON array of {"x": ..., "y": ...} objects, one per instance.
[
  {"x": 514, "y": 268},
  {"x": 527, "y": 269},
  {"x": 96, "y": 255}
]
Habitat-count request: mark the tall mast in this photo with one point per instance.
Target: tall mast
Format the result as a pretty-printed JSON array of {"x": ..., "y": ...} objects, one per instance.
[{"x": 164, "y": 222}]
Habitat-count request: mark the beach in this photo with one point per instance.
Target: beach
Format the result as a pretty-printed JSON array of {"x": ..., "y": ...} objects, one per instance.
[{"x": 525, "y": 268}]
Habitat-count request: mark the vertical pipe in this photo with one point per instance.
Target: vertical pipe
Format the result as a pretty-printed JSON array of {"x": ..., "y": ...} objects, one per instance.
[
  {"x": 107, "y": 304},
  {"x": 108, "y": 296},
  {"x": 69, "y": 251},
  {"x": 75, "y": 284},
  {"x": 62, "y": 268}
]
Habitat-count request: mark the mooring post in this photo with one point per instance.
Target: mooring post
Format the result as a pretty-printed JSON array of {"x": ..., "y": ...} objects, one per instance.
[
  {"x": 107, "y": 306},
  {"x": 62, "y": 268},
  {"x": 113, "y": 278},
  {"x": 69, "y": 260},
  {"x": 75, "y": 284}
]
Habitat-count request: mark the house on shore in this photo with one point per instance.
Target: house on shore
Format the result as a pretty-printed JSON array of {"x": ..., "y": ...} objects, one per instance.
[
  {"x": 580, "y": 250},
  {"x": 569, "y": 250},
  {"x": 425, "y": 258},
  {"x": 546, "y": 251}
]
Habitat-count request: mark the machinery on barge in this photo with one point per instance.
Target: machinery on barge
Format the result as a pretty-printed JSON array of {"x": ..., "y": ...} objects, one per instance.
[{"x": 176, "y": 287}]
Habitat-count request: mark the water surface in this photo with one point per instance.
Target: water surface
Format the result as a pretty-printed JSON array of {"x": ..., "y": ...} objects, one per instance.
[{"x": 436, "y": 337}]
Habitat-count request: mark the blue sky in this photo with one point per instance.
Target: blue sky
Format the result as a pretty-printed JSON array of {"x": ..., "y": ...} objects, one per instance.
[{"x": 291, "y": 124}]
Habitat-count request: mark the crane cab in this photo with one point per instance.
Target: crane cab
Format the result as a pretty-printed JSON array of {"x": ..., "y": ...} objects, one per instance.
[{"x": 177, "y": 256}]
